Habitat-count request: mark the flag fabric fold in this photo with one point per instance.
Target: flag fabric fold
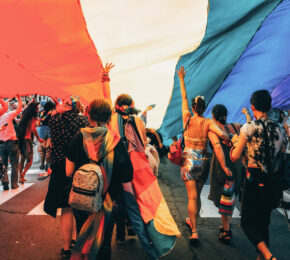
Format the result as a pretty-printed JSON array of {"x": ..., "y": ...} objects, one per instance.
[
  {"x": 230, "y": 28},
  {"x": 264, "y": 64},
  {"x": 45, "y": 48}
]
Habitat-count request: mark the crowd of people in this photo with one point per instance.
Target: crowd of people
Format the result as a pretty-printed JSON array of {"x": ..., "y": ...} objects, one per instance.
[{"x": 245, "y": 161}]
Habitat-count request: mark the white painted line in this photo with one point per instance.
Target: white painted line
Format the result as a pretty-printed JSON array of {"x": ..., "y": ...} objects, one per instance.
[
  {"x": 38, "y": 210},
  {"x": 8, "y": 194},
  {"x": 286, "y": 197},
  {"x": 31, "y": 172},
  {"x": 35, "y": 171},
  {"x": 208, "y": 209}
]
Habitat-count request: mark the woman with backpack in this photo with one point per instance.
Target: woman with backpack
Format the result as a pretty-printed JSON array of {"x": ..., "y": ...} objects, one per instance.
[
  {"x": 266, "y": 144},
  {"x": 223, "y": 171},
  {"x": 103, "y": 146}
]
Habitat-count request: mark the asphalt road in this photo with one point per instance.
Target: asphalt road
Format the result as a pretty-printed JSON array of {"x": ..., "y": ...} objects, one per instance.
[{"x": 27, "y": 233}]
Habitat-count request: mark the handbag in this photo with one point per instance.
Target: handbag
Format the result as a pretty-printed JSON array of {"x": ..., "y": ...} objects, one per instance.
[
  {"x": 176, "y": 148},
  {"x": 228, "y": 198}
]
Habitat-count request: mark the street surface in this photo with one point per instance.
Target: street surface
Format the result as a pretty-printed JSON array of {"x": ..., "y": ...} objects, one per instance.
[{"x": 28, "y": 233}]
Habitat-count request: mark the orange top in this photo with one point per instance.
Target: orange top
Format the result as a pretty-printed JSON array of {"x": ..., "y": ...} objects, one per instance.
[{"x": 195, "y": 135}]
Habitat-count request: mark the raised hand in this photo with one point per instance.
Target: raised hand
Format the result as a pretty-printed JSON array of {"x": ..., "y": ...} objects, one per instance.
[
  {"x": 181, "y": 72},
  {"x": 108, "y": 67},
  {"x": 245, "y": 111}
]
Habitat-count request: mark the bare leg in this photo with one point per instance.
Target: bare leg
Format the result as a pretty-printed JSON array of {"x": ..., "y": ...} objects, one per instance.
[
  {"x": 226, "y": 222},
  {"x": 66, "y": 224},
  {"x": 193, "y": 193},
  {"x": 21, "y": 164},
  {"x": 199, "y": 187},
  {"x": 28, "y": 164},
  {"x": 264, "y": 251}
]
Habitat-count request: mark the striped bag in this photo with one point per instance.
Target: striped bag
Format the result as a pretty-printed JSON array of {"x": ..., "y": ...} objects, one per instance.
[{"x": 228, "y": 198}]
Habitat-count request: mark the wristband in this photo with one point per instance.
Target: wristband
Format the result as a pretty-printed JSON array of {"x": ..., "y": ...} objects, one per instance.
[{"x": 105, "y": 78}]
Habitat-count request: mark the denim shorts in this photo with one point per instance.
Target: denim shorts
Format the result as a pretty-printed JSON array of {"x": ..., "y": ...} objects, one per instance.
[{"x": 43, "y": 132}]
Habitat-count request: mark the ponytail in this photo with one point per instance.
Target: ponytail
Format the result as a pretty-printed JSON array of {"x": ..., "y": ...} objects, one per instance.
[{"x": 198, "y": 105}]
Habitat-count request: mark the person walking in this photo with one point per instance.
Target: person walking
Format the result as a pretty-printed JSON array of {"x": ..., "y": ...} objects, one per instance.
[
  {"x": 107, "y": 147},
  {"x": 266, "y": 142},
  {"x": 25, "y": 129},
  {"x": 223, "y": 171},
  {"x": 9, "y": 148},
  {"x": 195, "y": 165},
  {"x": 64, "y": 124}
]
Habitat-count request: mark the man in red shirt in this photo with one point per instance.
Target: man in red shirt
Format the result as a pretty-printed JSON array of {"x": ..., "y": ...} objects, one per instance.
[{"x": 9, "y": 145}]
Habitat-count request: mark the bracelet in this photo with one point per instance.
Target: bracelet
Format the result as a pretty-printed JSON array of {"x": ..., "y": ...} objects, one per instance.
[{"x": 105, "y": 78}]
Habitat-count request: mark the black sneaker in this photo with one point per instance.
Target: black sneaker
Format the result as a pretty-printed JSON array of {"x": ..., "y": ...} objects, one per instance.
[
  {"x": 14, "y": 187},
  {"x": 5, "y": 187},
  {"x": 65, "y": 254}
]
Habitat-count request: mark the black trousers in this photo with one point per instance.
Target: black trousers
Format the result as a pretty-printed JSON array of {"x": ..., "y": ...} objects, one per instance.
[{"x": 257, "y": 205}]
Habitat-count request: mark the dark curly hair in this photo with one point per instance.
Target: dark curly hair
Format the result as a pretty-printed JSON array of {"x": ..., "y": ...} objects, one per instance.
[
  {"x": 48, "y": 106},
  {"x": 29, "y": 112},
  {"x": 261, "y": 100},
  {"x": 220, "y": 112}
]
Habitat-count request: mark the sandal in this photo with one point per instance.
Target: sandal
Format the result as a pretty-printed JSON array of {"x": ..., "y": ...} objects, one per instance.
[
  {"x": 225, "y": 236},
  {"x": 221, "y": 229},
  {"x": 21, "y": 179},
  {"x": 65, "y": 254}
]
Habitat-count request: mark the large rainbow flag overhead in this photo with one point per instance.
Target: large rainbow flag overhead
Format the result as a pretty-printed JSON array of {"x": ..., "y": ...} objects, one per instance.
[
  {"x": 245, "y": 48},
  {"x": 56, "y": 48}
]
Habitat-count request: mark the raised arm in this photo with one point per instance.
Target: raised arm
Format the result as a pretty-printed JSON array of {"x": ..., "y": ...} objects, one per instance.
[
  {"x": 19, "y": 108},
  {"x": 4, "y": 106},
  {"x": 247, "y": 113},
  {"x": 218, "y": 150},
  {"x": 106, "y": 82},
  {"x": 54, "y": 99},
  {"x": 185, "y": 108}
]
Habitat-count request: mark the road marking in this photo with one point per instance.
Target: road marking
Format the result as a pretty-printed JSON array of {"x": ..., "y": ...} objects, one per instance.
[
  {"x": 35, "y": 171},
  {"x": 38, "y": 210},
  {"x": 8, "y": 194},
  {"x": 31, "y": 172},
  {"x": 208, "y": 209},
  {"x": 286, "y": 197}
]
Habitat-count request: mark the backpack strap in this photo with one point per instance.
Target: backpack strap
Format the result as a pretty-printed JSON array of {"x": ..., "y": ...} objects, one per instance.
[
  {"x": 233, "y": 125},
  {"x": 90, "y": 149},
  {"x": 186, "y": 126}
]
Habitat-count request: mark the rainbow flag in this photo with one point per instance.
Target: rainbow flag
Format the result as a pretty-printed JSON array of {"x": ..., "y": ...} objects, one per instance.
[{"x": 245, "y": 48}]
